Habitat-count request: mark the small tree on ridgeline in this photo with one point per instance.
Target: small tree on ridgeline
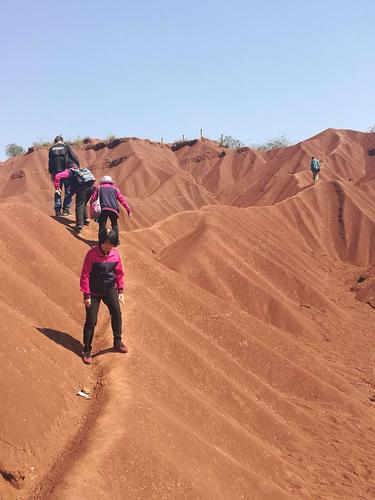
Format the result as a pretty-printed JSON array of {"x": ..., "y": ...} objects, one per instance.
[
  {"x": 230, "y": 142},
  {"x": 274, "y": 143},
  {"x": 12, "y": 150}
]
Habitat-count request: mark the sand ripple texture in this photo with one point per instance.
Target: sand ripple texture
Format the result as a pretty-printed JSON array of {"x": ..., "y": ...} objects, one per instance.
[{"x": 249, "y": 318}]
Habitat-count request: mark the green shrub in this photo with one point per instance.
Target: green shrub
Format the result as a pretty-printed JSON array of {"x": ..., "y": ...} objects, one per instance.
[
  {"x": 77, "y": 142},
  {"x": 42, "y": 144},
  {"x": 273, "y": 143},
  {"x": 230, "y": 142},
  {"x": 12, "y": 150}
]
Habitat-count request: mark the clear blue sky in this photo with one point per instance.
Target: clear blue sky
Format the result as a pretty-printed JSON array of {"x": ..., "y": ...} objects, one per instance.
[{"x": 152, "y": 69}]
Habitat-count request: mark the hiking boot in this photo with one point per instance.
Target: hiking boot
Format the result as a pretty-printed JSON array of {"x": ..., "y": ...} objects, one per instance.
[
  {"x": 86, "y": 356},
  {"x": 120, "y": 347},
  {"x": 57, "y": 213},
  {"x": 66, "y": 212},
  {"x": 77, "y": 228},
  {"x": 87, "y": 222}
]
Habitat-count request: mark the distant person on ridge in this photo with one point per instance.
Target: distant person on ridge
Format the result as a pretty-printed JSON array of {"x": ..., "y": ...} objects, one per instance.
[
  {"x": 108, "y": 194},
  {"x": 60, "y": 157},
  {"x": 315, "y": 168},
  {"x": 102, "y": 279},
  {"x": 81, "y": 184}
]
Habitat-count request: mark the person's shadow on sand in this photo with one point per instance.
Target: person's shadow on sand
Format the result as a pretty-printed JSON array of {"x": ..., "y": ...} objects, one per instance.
[
  {"x": 103, "y": 351},
  {"x": 69, "y": 226},
  {"x": 63, "y": 220},
  {"x": 62, "y": 338}
]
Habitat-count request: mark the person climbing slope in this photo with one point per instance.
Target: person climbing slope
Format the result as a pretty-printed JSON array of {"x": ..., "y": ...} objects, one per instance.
[
  {"x": 109, "y": 194},
  {"x": 102, "y": 279},
  {"x": 315, "y": 168},
  {"x": 81, "y": 185},
  {"x": 60, "y": 157}
]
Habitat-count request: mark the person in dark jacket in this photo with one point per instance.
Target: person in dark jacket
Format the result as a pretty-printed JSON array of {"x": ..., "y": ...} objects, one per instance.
[
  {"x": 102, "y": 279},
  {"x": 109, "y": 194},
  {"x": 60, "y": 157},
  {"x": 81, "y": 185}
]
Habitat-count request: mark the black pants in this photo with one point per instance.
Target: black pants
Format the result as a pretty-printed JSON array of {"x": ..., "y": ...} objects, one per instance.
[
  {"x": 82, "y": 198},
  {"x": 112, "y": 216},
  {"x": 110, "y": 299}
]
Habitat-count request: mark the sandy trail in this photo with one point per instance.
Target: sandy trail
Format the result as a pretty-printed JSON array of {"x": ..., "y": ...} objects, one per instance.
[{"x": 243, "y": 418}]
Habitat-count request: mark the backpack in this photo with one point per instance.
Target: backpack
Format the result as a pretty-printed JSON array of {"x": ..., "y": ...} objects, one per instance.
[
  {"x": 95, "y": 207},
  {"x": 83, "y": 176},
  {"x": 315, "y": 165},
  {"x": 57, "y": 158}
]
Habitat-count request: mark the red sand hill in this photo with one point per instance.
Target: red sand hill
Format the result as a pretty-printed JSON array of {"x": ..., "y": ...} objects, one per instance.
[{"x": 250, "y": 367}]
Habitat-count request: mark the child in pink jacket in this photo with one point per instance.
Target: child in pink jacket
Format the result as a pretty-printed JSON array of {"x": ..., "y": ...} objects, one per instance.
[{"x": 109, "y": 195}]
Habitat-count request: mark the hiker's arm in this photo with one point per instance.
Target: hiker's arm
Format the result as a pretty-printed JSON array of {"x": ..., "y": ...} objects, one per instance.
[
  {"x": 72, "y": 155},
  {"x": 61, "y": 175},
  {"x": 49, "y": 159},
  {"x": 85, "y": 277},
  {"x": 119, "y": 272},
  {"x": 121, "y": 198}
]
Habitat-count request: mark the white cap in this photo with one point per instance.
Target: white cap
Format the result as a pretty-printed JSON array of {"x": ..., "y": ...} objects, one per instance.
[{"x": 106, "y": 179}]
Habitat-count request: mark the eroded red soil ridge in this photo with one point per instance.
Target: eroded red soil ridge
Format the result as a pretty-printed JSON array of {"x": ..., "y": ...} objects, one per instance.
[{"x": 249, "y": 316}]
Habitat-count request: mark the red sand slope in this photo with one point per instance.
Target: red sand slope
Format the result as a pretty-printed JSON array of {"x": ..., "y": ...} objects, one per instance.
[{"x": 251, "y": 359}]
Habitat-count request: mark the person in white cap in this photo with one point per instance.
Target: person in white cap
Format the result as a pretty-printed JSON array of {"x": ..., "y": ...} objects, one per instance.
[{"x": 109, "y": 195}]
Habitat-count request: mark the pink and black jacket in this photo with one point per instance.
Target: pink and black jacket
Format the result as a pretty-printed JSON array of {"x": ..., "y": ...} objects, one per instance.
[
  {"x": 100, "y": 272},
  {"x": 109, "y": 194}
]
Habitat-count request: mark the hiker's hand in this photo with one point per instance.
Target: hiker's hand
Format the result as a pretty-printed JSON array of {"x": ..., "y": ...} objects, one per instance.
[
  {"x": 121, "y": 298},
  {"x": 87, "y": 302},
  {"x": 58, "y": 191}
]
